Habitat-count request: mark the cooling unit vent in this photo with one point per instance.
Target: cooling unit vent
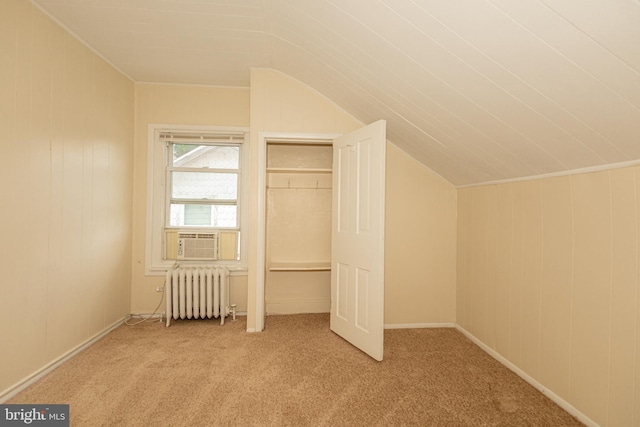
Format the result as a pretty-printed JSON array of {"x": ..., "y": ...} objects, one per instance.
[{"x": 198, "y": 246}]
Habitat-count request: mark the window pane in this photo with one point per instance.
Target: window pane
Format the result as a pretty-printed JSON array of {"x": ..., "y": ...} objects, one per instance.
[
  {"x": 197, "y": 214},
  {"x": 223, "y": 216},
  {"x": 206, "y": 156},
  {"x": 204, "y": 185}
]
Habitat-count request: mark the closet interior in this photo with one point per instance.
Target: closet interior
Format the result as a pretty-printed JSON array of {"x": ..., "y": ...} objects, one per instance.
[{"x": 298, "y": 227}]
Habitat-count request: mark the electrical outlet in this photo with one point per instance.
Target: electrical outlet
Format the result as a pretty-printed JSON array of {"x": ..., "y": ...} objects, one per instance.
[{"x": 160, "y": 289}]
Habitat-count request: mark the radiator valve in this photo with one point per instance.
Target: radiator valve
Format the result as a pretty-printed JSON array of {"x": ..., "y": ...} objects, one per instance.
[{"x": 233, "y": 311}]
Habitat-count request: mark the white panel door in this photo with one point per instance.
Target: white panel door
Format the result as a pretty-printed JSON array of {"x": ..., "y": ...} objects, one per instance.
[{"x": 357, "y": 245}]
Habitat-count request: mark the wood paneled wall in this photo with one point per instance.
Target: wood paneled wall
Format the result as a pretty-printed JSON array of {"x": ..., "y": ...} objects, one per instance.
[
  {"x": 548, "y": 277},
  {"x": 66, "y": 120}
]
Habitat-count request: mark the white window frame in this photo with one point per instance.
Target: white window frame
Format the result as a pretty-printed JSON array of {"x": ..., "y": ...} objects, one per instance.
[{"x": 157, "y": 156}]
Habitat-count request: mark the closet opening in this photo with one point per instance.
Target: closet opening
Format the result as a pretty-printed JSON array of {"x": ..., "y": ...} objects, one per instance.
[
  {"x": 298, "y": 228},
  {"x": 296, "y": 195}
]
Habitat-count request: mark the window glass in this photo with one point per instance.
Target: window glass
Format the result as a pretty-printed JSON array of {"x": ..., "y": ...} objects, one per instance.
[
  {"x": 206, "y": 156},
  {"x": 197, "y": 215},
  {"x": 218, "y": 216},
  {"x": 203, "y": 182},
  {"x": 204, "y": 185}
]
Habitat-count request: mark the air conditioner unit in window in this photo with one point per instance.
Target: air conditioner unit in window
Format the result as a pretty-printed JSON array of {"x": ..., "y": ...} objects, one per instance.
[{"x": 197, "y": 246}]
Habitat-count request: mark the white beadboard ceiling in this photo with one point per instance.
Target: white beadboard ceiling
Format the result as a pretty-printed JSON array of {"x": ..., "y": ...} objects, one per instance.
[{"x": 477, "y": 90}]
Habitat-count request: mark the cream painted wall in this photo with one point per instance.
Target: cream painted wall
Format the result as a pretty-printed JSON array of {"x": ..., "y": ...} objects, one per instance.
[
  {"x": 66, "y": 118},
  {"x": 177, "y": 105},
  {"x": 282, "y": 104},
  {"x": 548, "y": 278},
  {"x": 420, "y": 243}
]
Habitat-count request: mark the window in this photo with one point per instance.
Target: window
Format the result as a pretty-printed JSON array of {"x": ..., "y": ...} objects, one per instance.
[
  {"x": 195, "y": 183},
  {"x": 203, "y": 179}
]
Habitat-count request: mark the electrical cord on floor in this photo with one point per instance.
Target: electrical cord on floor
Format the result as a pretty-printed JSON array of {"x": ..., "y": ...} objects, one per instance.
[{"x": 146, "y": 318}]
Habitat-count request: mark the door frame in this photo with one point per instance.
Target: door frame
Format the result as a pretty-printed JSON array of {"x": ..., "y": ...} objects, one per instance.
[{"x": 263, "y": 139}]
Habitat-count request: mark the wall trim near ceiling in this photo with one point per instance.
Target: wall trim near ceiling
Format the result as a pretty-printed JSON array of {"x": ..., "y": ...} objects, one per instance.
[
  {"x": 589, "y": 169},
  {"x": 195, "y": 85},
  {"x": 50, "y": 367},
  {"x": 540, "y": 387}
]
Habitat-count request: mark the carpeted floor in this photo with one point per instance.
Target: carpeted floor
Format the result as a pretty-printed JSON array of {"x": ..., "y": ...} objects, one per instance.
[{"x": 295, "y": 373}]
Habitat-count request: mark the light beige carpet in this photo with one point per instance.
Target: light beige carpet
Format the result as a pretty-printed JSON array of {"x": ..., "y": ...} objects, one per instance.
[{"x": 295, "y": 373}]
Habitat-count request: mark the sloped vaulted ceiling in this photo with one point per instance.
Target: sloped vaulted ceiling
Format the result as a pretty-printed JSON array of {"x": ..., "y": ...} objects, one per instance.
[{"x": 477, "y": 90}]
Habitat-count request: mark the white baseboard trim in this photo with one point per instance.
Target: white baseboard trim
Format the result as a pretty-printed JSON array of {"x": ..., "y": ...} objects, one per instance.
[
  {"x": 540, "y": 387},
  {"x": 418, "y": 325},
  {"x": 31, "y": 379}
]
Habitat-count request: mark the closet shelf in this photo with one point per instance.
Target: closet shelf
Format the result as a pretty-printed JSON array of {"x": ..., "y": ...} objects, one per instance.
[
  {"x": 298, "y": 170},
  {"x": 300, "y": 266}
]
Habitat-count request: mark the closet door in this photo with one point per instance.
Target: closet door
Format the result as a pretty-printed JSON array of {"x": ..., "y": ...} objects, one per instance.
[{"x": 357, "y": 245}]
